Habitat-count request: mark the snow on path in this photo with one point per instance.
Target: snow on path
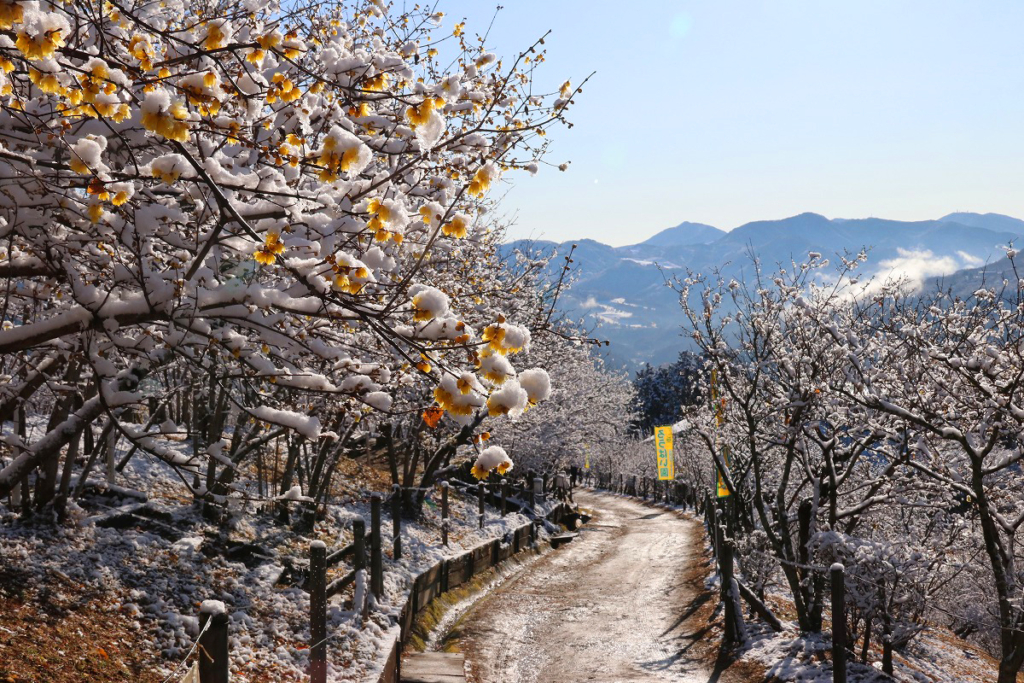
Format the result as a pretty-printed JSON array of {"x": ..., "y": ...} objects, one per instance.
[{"x": 605, "y": 608}]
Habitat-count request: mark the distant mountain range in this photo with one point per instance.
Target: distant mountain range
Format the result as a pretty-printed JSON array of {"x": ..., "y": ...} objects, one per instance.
[{"x": 623, "y": 290}]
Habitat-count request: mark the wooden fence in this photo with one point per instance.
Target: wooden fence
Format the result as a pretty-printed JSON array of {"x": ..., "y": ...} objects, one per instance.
[{"x": 365, "y": 556}]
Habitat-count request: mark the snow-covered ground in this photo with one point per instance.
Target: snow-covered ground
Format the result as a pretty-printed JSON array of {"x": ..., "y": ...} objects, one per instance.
[{"x": 158, "y": 572}]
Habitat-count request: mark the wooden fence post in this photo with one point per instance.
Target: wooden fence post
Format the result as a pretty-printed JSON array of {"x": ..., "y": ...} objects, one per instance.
[
  {"x": 396, "y": 520},
  {"x": 480, "y": 489},
  {"x": 213, "y": 644},
  {"x": 444, "y": 513},
  {"x": 532, "y": 495},
  {"x": 733, "y": 616},
  {"x": 838, "y": 623},
  {"x": 317, "y": 612},
  {"x": 712, "y": 519},
  {"x": 359, "y": 563},
  {"x": 376, "y": 559},
  {"x": 504, "y": 497}
]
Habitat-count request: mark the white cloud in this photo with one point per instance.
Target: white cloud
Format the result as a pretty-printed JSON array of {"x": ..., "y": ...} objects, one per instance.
[
  {"x": 970, "y": 261},
  {"x": 915, "y": 266}
]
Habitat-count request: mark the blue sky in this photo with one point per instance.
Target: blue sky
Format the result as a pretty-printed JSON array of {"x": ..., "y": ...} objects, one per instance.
[{"x": 728, "y": 111}]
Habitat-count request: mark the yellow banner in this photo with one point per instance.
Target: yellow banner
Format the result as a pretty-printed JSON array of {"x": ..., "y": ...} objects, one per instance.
[
  {"x": 723, "y": 490},
  {"x": 663, "y": 443}
]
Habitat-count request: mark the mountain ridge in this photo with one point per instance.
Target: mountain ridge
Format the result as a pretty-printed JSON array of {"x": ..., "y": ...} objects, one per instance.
[{"x": 624, "y": 291}]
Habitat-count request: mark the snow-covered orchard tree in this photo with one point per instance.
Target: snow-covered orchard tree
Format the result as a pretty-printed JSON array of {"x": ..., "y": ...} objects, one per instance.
[
  {"x": 227, "y": 208},
  {"x": 951, "y": 370},
  {"x": 874, "y": 426},
  {"x": 799, "y": 456}
]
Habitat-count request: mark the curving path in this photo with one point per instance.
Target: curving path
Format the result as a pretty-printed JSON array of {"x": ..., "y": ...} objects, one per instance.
[{"x": 610, "y": 606}]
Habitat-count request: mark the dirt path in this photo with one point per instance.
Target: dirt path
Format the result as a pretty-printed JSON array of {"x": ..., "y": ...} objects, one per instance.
[{"x": 611, "y": 606}]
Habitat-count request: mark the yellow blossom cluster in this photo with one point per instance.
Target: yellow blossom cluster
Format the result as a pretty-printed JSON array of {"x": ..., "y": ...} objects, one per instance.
[
  {"x": 380, "y": 215},
  {"x": 11, "y": 13},
  {"x": 40, "y": 46},
  {"x": 420, "y": 115},
  {"x": 271, "y": 248},
  {"x": 377, "y": 83},
  {"x": 334, "y": 162},
  {"x": 457, "y": 227},
  {"x": 446, "y": 400},
  {"x": 482, "y": 180},
  {"x": 219, "y": 128},
  {"x": 140, "y": 48},
  {"x": 171, "y": 123},
  {"x": 282, "y": 89},
  {"x": 215, "y": 37},
  {"x": 495, "y": 336}
]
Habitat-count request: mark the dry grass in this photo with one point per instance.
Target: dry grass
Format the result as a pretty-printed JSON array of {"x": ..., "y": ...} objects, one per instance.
[{"x": 58, "y": 634}]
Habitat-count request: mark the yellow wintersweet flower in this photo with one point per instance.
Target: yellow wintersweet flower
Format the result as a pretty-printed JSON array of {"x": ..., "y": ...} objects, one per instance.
[
  {"x": 123, "y": 113},
  {"x": 171, "y": 123},
  {"x": 274, "y": 243},
  {"x": 215, "y": 37},
  {"x": 169, "y": 176},
  {"x": 419, "y": 115},
  {"x": 264, "y": 256},
  {"x": 495, "y": 335},
  {"x": 120, "y": 198},
  {"x": 495, "y": 375},
  {"x": 48, "y": 83},
  {"x": 420, "y": 314},
  {"x": 359, "y": 111},
  {"x": 140, "y": 48},
  {"x": 95, "y": 212},
  {"x": 11, "y": 13},
  {"x": 377, "y": 208},
  {"x": 479, "y": 472},
  {"x": 444, "y": 399},
  {"x": 496, "y": 409},
  {"x": 457, "y": 227},
  {"x": 504, "y": 466},
  {"x": 77, "y": 165},
  {"x": 40, "y": 47},
  {"x": 291, "y": 45},
  {"x": 481, "y": 181},
  {"x": 378, "y": 83},
  {"x": 269, "y": 41},
  {"x": 427, "y": 214}
]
